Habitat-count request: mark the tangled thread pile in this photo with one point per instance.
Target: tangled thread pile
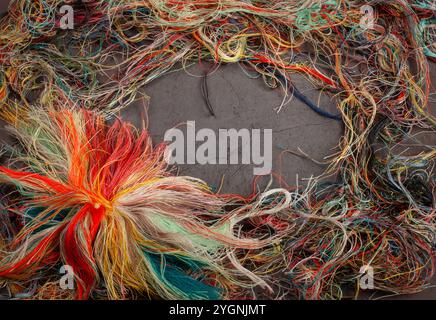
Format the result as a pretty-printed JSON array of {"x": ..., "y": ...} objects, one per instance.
[{"x": 85, "y": 189}]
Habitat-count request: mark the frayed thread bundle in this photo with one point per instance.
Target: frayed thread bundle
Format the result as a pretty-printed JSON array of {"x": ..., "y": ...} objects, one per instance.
[{"x": 98, "y": 198}]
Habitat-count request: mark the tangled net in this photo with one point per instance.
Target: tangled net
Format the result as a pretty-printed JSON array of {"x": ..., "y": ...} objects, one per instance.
[{"x": 98, "y": 197}]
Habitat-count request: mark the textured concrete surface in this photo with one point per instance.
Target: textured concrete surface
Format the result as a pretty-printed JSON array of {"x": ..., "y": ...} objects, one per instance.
[{"x": 240, "y": 102}]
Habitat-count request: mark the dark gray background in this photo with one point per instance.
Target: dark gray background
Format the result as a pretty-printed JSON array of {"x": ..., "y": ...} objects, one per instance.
[{"x": 240, "y": 102}]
